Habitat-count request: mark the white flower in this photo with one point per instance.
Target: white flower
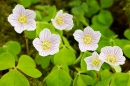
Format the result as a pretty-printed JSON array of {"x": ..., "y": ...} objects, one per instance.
[
  {"x": 87, "y": 39},
  {"x": 22, "y": 19},
  {"x": 47, "y": 43},
  {"x": 93, "y": 62},
  {"x": 63, "y": 21},
  {"x": 112, "y": 55}
]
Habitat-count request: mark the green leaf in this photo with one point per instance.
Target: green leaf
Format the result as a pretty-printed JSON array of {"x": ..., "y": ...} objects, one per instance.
[
  {"x": 14, "y": 78},
  {"x": 6, "y": 61},
  {"x": 43, "y": 61},
  {"x": 104, "y": 82},
  {"x": 25, "y": 3},
  {"x": 120, "y": 79},
  {"x": 105, "y": 17},
  {"x": 126, "y": 50},
  {"x": 31, "y": 34},
  {"x": 85, "y": 7},
  {"x": 27, "y": 65},
  {"x": 77, "y": 10},
  {"x": 64, "y": 56},
  {"x": 93, "y": 7},
  {"x": 43, "y": 25},
  {"x": 106, "y": 3},
  {"x": 2, "y": 50},
  {"x": 67, "y": 44},
  {"x": 127, "y": 33},
  {"x": 13, "y": 47},
  {"x": 38, "y": 16},
  {"x": 106, "y": 76},
  {"x": 50, "y": 13},
  {"x": 121, "y": 42},
  {"x": 34, "y": 1},
  {"x": 58, "y": 77},
  {"x": 105, "y": 73},
  {"x": 117, "y": 68},
  {"x": 75, "y": 3},
  {"x": 80, "y": 80}
]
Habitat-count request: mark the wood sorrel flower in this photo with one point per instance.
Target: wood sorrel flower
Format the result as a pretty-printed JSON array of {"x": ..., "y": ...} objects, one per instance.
[
  {"x": 47, "y": 43},
  {"x": 22, "y": 19},
  {"x": 93, "y": 62},
  {"x": 87, "y": 39},
  {"x": 63, "y": 21},
  {"x": 112, "y": 55}
]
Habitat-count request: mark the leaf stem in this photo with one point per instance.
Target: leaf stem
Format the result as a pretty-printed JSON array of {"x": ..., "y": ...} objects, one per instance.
[
  {"x": 26, "y": 40},
  {"x": 78, "y": 59}
]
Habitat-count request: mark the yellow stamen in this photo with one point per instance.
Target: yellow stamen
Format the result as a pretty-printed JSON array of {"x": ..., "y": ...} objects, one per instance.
[
  {"x": 22, "y": 19},
  {"x": 111, "y": 58},
  {"x": 59, "y": 20},
  {"x": 96, "y": 62},
  {"x": 46, "y": 45},
  {"x": 87, "y": 39}
]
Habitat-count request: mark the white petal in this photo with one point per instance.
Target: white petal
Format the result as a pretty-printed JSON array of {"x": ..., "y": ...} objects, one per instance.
[
  {"x": 92, "y": 47},
  {"x": 95, "y": 54},
  {"x": 88, "y": 59},
  {"x": 43, "y": 53},
  {"x": 59, "y": 13},
  {"x": 37, "y": 44},
  {"x": 55, "y": 39},
  {"x": 19, "y": 28},
  {"x": 55, "y": 25},
  {"x": 45, "y": 34},
  {"x": 31, "y": 25},
  {"x": 117, "y": 51},
  {"x": 107, "y": 50},
  {"x": 54, "y": 50},
  {"x": 12, "y": 19},
  {"x": 88, "y": 30},
  {"x": 82, "y": 47},
  {"x": 69, "y": 27},
  {"x": 19, "y": 9},
  {"x": 30, "y": 14},
  {"x": 121, "y": 60},
  {"x": 78, "y": 35},
  {"x": 96, "y": 37}
]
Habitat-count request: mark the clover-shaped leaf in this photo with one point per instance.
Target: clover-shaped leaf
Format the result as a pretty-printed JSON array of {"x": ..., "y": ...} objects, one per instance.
[
  {"x": 58, "y": 77},
  {"x": 14, "y": 78},
  {"x": 6, "y": 61},
  {"x": 27, "y": 65},
  {"x": 65, "y": 56}
]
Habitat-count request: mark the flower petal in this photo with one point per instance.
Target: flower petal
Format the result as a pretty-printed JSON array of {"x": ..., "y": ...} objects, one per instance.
[
  {"x": 88, "y": 30},
  {"x": 19, "y": 9},
  {"x": 45, "y": 34},
  {"x": 37, "y": 44},
  {"x": 55, "y": 39},
  {"x": 12, "y": 19},
  {"x": 19, "y": 28},
  {"x": 31, "y": 25},
  {"x": 78, "y": 35},
  {"x": 82, "y": 47},
  {"x": 96, "y": 37},
  {"x": 30, "y": 14}
]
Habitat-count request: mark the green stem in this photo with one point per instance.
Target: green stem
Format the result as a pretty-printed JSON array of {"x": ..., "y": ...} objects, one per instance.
[
  {"x": 26, "y": 40},
  {"x": 113, "y": 70},
  {"x": 78, "y": 59}
]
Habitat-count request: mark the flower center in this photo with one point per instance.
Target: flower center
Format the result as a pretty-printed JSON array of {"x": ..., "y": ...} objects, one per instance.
[
  {"x": 96, "y": 62},
  {"x": 87, "y": 39},
  {"x": 111, "y": 58},
  {"x": 59, "y": 20},
  {"x": 46, "y": 45},
  {"x": 22, "y": 19}
]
